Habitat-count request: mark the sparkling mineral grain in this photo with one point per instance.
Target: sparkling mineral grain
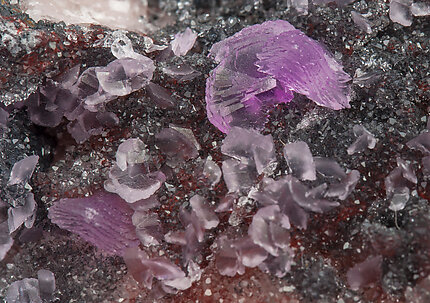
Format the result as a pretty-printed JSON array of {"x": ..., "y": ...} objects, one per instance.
[
  {"x": 261, "y": 66},
  {"x": 183, "y": 42},
  {"x": 103, "y": 219}
]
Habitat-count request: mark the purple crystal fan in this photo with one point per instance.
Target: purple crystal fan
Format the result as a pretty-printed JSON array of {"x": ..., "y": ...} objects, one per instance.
[
  {"x": 103, "y": 219},
  {"x": 261, "y": 66}
]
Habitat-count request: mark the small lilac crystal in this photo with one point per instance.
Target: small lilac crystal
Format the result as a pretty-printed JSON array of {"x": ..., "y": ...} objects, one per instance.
[
  {"x": 147, "y": 228},
  {"x": 301, "y": 6},
  {"x": 300, "y": 160},
  {"x": 260, "y": 66},
  {"x": 176, "y": 146},
  {"x": 249, "y": 147},
  {"x": 345, "y": 187},
  {"x": 365, "y": 140},
  {"x": 280, "y": 265},
  {"x": 421, "y": 143},
  {"x": 135, "y": 183},
  {"x": 420, "y": 9},
  {"x": 103, "y": 219},
  {"x": 183, "y": 42},
  {"x": 365, "y": 273},
  {"x": 6, "y": 240},
  {"x": 400, "y": 12},
  {"x": 131, "y": 151},
  {"x": 397, "y": 185},
  {"x": 160, "y": 96},
  {"x": 145, "y": 269},
  {"x": 22, "y": 214},
  {"x": 361, "y": 22},
  {"x": 211, "y": 172},
  {"x": 4, "y": 117},
  {"x": 329, "y": 168},
  {"x": 234, "y": 255},
  {"x": 22, "y": 170},
  {"x": 181, "y": 72},
  {"x": 23, "y": 291},
  {"x": 269, "y": 229},
  {"x": 46, "y": 281}
]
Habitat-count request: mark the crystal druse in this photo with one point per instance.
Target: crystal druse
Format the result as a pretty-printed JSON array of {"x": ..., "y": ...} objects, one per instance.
[{"x": 261, "y": 66}]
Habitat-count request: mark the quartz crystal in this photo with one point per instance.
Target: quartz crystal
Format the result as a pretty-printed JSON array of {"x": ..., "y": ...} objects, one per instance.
[
  {"x": 278, "y": 266},
  {"x": 183, "y": 42},
  {"x": 260, "y": 66},
  {"x": 181, "y": 72},
  {"x": 345, "y": 187},
  {"x": 329, "y": 168},
  {"x": 211, "y": 172},
  {"x": 147, "y": 227},
  {"x": 103, "y": 219},
  {"x": 365, "y": 273}
]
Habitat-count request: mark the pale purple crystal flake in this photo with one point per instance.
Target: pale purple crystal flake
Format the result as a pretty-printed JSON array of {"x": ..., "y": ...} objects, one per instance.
[
  {"x": 365, "y": 273},
  {"x": 300, "y": 160},
  {"x": 183, "y": 42},
  {"x": 22, "y": 170},
  {"x": 261, "y": 66},
  {"x": 400, "y": 12},
  {"x": 103, "y": 219},
  {"x": 365, "y": 140},
  {"x": 361, "y": 22}
]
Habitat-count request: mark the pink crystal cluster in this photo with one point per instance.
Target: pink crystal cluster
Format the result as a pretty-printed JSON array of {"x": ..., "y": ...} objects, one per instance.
[
  {"x": 402, "y": 179},
  {"x": 283, "y": 202},
  {"x": 81, "y": 98},
  {"x": 32, "y": 290},
  {"x": 18, "y": 212},
  {"x": 261, "y": 66}
]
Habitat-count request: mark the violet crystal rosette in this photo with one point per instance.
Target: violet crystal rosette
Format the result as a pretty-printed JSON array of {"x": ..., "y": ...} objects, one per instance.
[{"x": 261, "y": 66}]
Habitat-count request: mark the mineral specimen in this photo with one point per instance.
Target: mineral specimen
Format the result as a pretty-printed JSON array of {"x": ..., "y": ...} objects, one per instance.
[
  {"x": 261, "y": 66},
  {"x": 420, "y": 9},
  {"x": 176, "y": 146},
  {"x": 46, "y": 281},
  {"x": 183, "y": 42},
  {"x": 103, "y": 219}
]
